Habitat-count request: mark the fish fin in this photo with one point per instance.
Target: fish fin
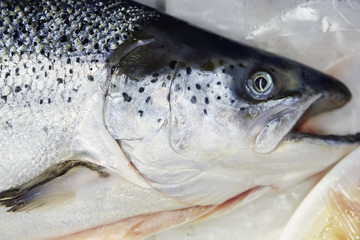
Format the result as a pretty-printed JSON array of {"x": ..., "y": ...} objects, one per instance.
[
  {"x": 141, "y": 226},
  {"x": 235, "y": 202},
  {"x": 47, "y": 188}
]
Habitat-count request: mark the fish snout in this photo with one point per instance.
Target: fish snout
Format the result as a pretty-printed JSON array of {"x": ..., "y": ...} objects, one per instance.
[{"x": 334, "y": 94}]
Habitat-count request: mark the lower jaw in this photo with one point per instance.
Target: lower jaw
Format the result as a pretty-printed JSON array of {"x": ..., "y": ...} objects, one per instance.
[{"x": 350, "y": 138}]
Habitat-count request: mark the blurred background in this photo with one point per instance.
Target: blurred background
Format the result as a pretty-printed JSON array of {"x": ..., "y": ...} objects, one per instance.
[{"x": 324, "y": 34}]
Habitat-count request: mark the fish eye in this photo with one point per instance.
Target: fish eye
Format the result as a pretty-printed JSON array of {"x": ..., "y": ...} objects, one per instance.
[{"x": 260, "y": 85}]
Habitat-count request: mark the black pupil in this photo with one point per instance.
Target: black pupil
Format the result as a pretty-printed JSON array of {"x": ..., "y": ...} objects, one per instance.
[{"x": 260, "y": 83}]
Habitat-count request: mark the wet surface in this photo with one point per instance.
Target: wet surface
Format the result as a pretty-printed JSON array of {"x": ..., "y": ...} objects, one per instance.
[{"x": 324, "y": 35}]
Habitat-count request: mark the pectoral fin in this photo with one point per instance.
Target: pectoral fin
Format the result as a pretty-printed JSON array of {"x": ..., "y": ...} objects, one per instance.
[{"x": 51, "y": 187}]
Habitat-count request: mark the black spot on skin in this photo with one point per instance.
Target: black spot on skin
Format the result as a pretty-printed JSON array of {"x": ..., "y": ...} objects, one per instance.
[
  {"x": 177, "y": 88},
  {"x": 232, "y": 66},
  {"x": 189, "y": 88},
  {"x": 147, "y": 99},
  {"x": 205, "y": 112},
  {"x": 70, "y": 71},
  {"x": 141, "y": 90},
  {"x": 50, "y": 67},
  {"x": 17, "y": 89},
  {"x": 242, "y": 109},
  {"x": 63, "y": 38},
  {"x": 60, "y": 80},
  {"x": 41, "y": 101},
  {"x": 159, "y": 120},
  {"x": 173, "y": 64},
  {"x": 49, "y": 100},
  {"x": 9, "y": 124},
  {"x": 67, "y": 21},
  {"x": 169, "y": 77},
  {"x": 218, "y": 83},
  {"x": 232, "y": 101},
  {"x": 78, "y": 60},
  {"x": 141, "y": 113},
  {"x": 69, "y": 100},
  {"x": 7, "y": 74},
  {"x": 45, "y": 74},
  {"x": 154, "y": 80},
  {"x": 193, "y": 99},
  {"x": 17, "y": 72},
  {"x": 218, "y": 98},
  {"x": 68, "y": 61},
  {"x": 179, "y": 75},
  {"x": 224, "y": 70},
  {"x": 4, "y": 98},
  {"x": 188, "y": 71},
  {"x": 155, "y": 75},
  {"x": 207, "y": 100},
  {"x": 90, "y": 78},
  {"x": 85, "y": 41},
  {"x": 198, "y": 86},
  {"x": 126, "y": 97},
  {"x": 27, "y": 86},
  {"x": 33, "y": 70}
]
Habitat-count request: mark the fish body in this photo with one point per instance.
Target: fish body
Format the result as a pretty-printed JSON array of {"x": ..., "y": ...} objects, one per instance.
[
  {"x": 114, "y": 113},
  {"x": 53, "y": 41}
]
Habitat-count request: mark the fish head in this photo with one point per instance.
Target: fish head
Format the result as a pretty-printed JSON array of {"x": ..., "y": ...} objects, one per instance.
[{"x": 205, "y": 119}]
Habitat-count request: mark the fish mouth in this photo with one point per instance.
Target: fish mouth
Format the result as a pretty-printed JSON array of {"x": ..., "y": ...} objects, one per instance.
[
  {"x": 299, "y": 132},
  {"x": 286, "y": 121},
  {"x": 334, "y": 96}
]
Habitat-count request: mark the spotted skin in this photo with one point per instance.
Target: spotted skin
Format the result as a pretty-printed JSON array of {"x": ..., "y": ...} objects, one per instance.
[
  {"x": 53, "y": 55},
  {"x": 67, "y": 27},
  {"x": 196, "y": 129},
  {"x": 163, "y": 108}
]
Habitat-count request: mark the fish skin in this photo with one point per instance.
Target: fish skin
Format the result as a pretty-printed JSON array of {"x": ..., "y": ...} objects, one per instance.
[
  {"x": 49, "y": 101},
  {"x": 67, "y": 98},
  {"x": 187, "y": 96},
  {"x": 48, "y": 66}
]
